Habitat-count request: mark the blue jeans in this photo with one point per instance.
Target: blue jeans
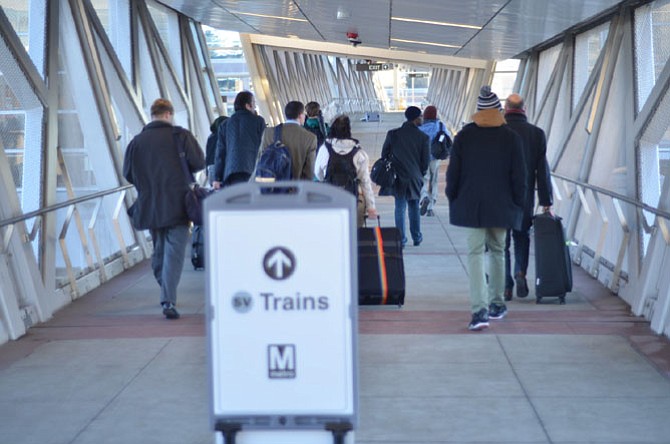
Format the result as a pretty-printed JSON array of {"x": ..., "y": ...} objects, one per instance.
[
  {"x": 521, "y": 252},
  {"x": 167, "y": 261},
  {"x": 414, "y": 218}
]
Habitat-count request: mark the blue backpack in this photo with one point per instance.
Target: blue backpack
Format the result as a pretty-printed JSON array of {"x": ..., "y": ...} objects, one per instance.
[{"x": 275, "y": 161}]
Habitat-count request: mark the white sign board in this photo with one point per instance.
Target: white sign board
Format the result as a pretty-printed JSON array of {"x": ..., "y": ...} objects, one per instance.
[{"x": 281, "y": 312}]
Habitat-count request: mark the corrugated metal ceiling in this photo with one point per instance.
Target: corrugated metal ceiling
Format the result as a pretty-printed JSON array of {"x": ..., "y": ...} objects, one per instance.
[{"x": 508, "y": 27}]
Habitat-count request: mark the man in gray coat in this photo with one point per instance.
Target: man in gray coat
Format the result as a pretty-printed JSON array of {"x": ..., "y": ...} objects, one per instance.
[
  {"x": 410, "y": 150},
  {"x": 486, "y": 187},
  {"x": 153, "y": 165}
]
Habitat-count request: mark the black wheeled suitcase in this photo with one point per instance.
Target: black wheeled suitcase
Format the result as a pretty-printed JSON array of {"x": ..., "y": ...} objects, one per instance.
[
  {"x": 381, "y": 271},
  {"x": 197, "y": 248},
  {"x": 553, "y": 267}
]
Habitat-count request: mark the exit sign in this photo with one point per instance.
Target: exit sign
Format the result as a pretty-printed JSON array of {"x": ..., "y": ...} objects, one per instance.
[{"x": 374, "y": 66}]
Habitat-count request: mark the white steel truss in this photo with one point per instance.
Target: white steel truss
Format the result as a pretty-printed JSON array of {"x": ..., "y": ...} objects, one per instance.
[
  {"x": 595, "y": 140},
  {"x": 93, "y": 98}
]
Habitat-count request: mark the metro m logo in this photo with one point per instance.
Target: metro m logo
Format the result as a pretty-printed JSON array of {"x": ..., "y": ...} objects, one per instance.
[{"x": 281, "y": 361}]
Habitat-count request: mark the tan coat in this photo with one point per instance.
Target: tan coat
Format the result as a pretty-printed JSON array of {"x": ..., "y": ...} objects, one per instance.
[{"x": 301, "y": 145}]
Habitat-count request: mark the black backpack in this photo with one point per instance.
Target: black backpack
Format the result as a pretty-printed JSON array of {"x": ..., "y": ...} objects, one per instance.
[
  {"x": 275, "y": 161},
  {"x": 341, "y": 170},
  {"x": 440, "y": 147}
]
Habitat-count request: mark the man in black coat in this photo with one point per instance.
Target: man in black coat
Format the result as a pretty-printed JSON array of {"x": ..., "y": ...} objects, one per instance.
[
  {"x": 537, "y": 171},
  {"x": 152, "y": 163},
  {"x": 238, "y": 143},
  {"x": 486, "y": 188},
  {"x": 410, "y": 149}
]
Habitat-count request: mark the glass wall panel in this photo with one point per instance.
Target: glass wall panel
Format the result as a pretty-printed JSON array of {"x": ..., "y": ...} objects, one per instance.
[
  {"x": 652, "y": 46},
  {"x": 18, "y": 13},
  {"x": 504, "y": 77},
  {"x": 652, "y": 52},
  {"x": 28, "y": 21},
  {"x": 167, "y": 24},
  {"x": 548, "y": 59},
  {"x": 587, "y": 49},
  {"x": 87, "y": 161},
  {"x": 12, "y": 130},
  {"x": 229, "y": 64}
]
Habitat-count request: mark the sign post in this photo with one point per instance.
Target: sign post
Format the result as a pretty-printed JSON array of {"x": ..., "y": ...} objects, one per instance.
[{"x": 282, "y": 310}]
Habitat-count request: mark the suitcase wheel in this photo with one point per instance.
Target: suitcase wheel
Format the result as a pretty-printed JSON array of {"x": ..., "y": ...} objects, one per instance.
[{"x": 562, "y": 300}]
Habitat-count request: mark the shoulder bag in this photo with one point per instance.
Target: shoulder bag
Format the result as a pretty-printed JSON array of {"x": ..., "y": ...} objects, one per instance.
[{"x": 196, "y": 194}]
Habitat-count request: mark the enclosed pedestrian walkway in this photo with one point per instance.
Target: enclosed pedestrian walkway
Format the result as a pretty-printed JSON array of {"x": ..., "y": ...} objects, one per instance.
[
  {"x": 85, "y": 354},
  {"x": 108, "y": 368}
]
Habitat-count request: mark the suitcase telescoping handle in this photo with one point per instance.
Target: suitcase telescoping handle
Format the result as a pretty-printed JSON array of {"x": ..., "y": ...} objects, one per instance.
[{"x": 365, "y": 221}]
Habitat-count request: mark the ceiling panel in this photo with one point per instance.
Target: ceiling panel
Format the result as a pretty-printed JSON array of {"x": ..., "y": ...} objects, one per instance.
[
  {"x": 432, "y": 33},
  {"x": 453, "y": 11},
  {"x": 370, "y": 19},
  {"x": 510, "y": 26}
]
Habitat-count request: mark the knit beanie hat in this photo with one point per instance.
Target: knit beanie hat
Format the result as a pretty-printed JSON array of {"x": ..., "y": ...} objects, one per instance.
[
  {"x": 430, "y": 113},
  {"x": 412, "y": 113},
  {"x": 487, "y": 99}
]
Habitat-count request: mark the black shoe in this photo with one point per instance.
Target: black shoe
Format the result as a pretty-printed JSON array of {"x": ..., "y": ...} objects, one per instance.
[
  {"x": 418, "y": 242},
  {"x": 169, "y": 311},
  {"x": 479, "y": 320},
  {"x": 508, "y": 294},
  {"x": 497, "y": 311},
  {"x": 430, "y": 213},
  {"x": 424, "y": 206},
  {"x": 521, "y": 285}
]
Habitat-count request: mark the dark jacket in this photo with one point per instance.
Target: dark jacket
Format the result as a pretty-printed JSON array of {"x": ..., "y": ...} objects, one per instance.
[
  {"x": 237, "y": 144},
  {"x": 210, "y": 149},
  {"x": 318, "y": 127},
  {"x": 486, "y": 180},
  {"x": 537, "y": 169},
  {"x": 411, "y": 156},
  {"x": 152, "y": 164}
]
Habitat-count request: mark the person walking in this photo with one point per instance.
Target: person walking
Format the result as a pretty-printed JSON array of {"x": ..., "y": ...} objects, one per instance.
[
  {"x": 486, "y": 187},
  {"x": 537, "y": 172},
  {"x": 431, "y": 126},
  {"x": 153, "y": 165},
  {"x": 315, "y": 124},
  {"x": 301, "y": 144},
  {"x": 210, "y": 147},
  {"x": 410, "y": 151},
  {"x": 341, "y": 146},
  {"x": 238, "y": 143}
]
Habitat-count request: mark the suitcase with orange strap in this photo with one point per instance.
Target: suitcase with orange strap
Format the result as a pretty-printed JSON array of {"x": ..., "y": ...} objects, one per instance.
[{"x": 381, "y": 271}]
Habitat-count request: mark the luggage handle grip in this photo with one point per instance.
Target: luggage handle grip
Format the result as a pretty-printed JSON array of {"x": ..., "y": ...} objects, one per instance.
[{"x": 365, "y": 221}]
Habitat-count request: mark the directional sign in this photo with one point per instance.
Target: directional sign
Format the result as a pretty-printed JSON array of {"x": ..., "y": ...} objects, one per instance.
[
  {"x": 374, "y": 66},
  {"x": 282, "y": 308},
  {"x": 279, "y": 263}
]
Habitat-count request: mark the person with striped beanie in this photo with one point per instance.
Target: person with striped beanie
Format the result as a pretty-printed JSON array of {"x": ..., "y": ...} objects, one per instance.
[{"x": 486, "y": 188}]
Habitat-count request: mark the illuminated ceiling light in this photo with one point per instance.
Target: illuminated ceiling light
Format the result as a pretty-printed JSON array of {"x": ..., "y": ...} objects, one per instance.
[
  {"x": 444, "y": 45},
  {"x": 430, "y": 22},
  {"x": 293, "y": 19}
]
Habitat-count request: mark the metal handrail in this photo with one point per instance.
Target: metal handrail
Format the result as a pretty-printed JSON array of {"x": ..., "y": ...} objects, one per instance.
[
  {"x": 62, "y": 205},
  {"x": 613, "y": 195}
]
